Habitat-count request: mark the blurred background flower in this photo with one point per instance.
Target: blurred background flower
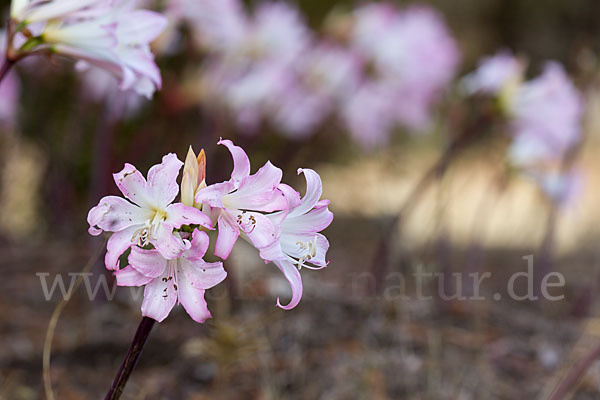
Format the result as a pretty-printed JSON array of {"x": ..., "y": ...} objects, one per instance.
[{"x": 469, "y": 127}]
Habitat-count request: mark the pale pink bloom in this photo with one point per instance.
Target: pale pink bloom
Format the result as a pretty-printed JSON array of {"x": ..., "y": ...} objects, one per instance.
[
  {"x": 9, "y": 92},
  {"x": 298, "y": 112},
  {"x": 275, "y": 31},
  {"x": 278, "y": 33},
  {"x": 494, "y": 73},
  {"x": 369, "y": 114},
  {"x": 324, "y": 78},
  {"x": 100, "y": 86},
  {"x": 251, "y": 59},
  {"x": 249, "y": 93},
  {"x": 234, "y": 203},
  {"x": 217, "y": 25},
  {"x": 546, "y": 117},
  {"x": 110, "y": 34},
  {"x": 413, "y": 53},
  {"x": 125, "y": 51},
  {"x": 148, "y": 217},
  {"x": 33, "y": 11},
  {"x": 330, "y": 71},
  {"x": 299, "y": 243},
  {"x": 182, "y": 280}
]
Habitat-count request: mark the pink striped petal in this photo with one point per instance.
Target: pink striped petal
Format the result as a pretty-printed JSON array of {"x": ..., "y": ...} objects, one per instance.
[
  {"x": 149, "y": 263},
  {"x": 128, "y": 276},
  {"x": 160, "y": 297},
  {"x": 313, "y": 221},
  {"x": 228, "y": 234},
  {"x": 113, "y": 214},
  {"x": 199, "y": 245},
  {"x": 133, "y": 185},
  {"x": 179, "y": 214},
  {"x": 314, "y": 189},
  {"x": 162, "y": 180},
  {"x": 213, "y": 194},
  {"x": 117, "y": 244},
  {"x": 258, "y": 191},
  {"x": 202, "y": 275},
  {"x": 192, "y": 299},
  {"x": 292, "y": 274},
  {"x": 241, "y": 163},
  {"x": 259, "y": 229},
  {"x": 169, "y": 245}
]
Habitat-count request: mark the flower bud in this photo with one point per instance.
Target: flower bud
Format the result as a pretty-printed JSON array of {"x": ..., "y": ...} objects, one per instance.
[{"x": 194, "y": 172}]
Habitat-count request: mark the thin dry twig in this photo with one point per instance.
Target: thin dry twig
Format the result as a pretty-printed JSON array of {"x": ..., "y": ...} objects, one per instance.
[
  {"x": 54, "y": 321},
  {"x": 569, "y": 383}
]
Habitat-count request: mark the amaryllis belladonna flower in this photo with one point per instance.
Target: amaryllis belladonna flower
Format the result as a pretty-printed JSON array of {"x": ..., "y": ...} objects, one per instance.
[
  {"x": 495, "y": 74},
  {"x": 300, "y": 244},
  {"x": 413, "y": 53},
  {"x": 148, "y": 217},
  {"x": 168, "y": 241},
  {"x": 237, "y": 203},
  {"x": 182, "y": 280},
  {"x": 110, "y": 34},
  {"x": 546, "y": 115}
]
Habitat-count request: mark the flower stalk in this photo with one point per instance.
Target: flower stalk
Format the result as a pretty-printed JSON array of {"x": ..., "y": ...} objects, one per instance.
[
  {"x": 131, "y": 359},
  {"x": 6, "y": 65}
]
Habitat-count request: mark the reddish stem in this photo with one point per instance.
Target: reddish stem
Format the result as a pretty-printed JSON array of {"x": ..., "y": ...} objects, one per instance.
[
  {"x": 6, "y": 65},
  {"x": 131, "y": 359}
]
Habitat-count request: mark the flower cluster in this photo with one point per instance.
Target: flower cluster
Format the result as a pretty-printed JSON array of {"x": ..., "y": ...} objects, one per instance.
[
  {"x": 545, "y": 119},
  {"x": 110, "y": 34},
  {"x": 378, "y": 67},
  {"x": 167, "y": 241}
]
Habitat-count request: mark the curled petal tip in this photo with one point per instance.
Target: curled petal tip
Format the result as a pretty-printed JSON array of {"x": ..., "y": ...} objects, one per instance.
[
  {"x": 287, "y": 307},
  {"x": 94, "y": 231}
]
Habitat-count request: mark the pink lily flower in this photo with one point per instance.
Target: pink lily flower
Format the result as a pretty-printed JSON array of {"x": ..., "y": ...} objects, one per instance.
[
  {"x": 33, "y": 11},
  {"x": 494, "y": 74},
  {"x": 182, "y": 280},
  {"x": 9, "y": 92},
  {"x": 300, "y": 243},
  {"x": 369, "y": 114},
  {"x": 216, "y": 25},
  {"x": 100, "y": 86},
  {"x": 148, "y": 217},
  {"x": 110, "y": 34},
  {"x": 546, "y": 115},
  {"x": 234, "y": 203},
  {"x": 413, "y": 54}
]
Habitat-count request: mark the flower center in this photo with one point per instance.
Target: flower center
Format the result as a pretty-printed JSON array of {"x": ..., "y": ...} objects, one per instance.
[
  {"x": 308, "y": 249},
  {"x": 246, "y": 222},
  {"x": 148, "y": 232}
]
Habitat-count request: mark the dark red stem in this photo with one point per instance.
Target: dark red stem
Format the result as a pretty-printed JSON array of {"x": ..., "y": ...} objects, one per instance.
[
  {"x": 6, "y": 65},
  {"x": 131, "y": 359}
]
